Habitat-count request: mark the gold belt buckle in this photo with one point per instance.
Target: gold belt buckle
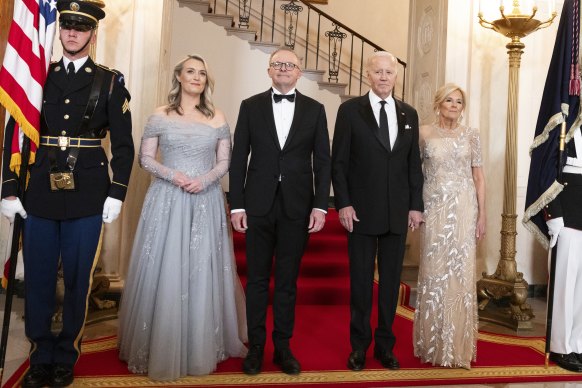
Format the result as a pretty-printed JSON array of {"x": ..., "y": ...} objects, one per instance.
[{"x": 63, "y": 142}]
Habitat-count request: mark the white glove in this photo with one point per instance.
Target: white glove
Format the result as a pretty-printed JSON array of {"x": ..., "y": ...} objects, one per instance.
[
  {"x": 10, "y": 207},
  {"x": 111, "y": 209},
  {"x": 555, "y": 225}
]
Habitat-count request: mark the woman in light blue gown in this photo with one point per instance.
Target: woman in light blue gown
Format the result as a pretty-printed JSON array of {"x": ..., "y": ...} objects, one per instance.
[{"x": 182, "y": 309}]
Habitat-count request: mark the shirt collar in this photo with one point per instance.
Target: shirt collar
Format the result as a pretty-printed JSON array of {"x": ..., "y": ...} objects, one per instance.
[
  {"x": 375, "y": 100},
  {"x": 275, "y": 91},
  {"x": 78, "y": 63}
]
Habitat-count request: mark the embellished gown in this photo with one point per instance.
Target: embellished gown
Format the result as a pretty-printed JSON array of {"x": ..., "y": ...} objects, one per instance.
[
  {"x": 182, "y": 309},
  {"x": 446, "y": 318}
]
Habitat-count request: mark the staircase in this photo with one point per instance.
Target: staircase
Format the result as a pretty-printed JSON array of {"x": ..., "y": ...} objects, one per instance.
[{"x": 317, "y": 37}]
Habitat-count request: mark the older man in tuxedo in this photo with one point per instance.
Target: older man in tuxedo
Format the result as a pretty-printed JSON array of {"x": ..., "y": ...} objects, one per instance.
[
  {"x": 377, "y": 180},
  {"x": 278, "y": 199}
]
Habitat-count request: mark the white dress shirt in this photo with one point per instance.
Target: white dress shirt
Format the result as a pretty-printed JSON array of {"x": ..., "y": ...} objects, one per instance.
[
  {"x": 390, "y": 112},
  {"x": 283, "y": 112}
]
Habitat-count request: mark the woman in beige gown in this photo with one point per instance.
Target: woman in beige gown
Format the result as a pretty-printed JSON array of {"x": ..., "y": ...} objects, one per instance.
[{"x": 446, "y": 320}]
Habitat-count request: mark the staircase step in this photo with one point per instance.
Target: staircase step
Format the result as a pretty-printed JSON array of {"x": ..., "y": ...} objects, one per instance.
[
  {"x": 334, "y": 87},
  {"x": 221, "y": 20},
  {"x": 314, "y": 75},
  {"x": 265, "y": 47},
  {"x": 242, "y": 33},
  {"x": 197, "y": 5}
]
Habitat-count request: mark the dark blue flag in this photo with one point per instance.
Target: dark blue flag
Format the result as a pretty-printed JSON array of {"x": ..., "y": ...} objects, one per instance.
[{"x": 560, "y": 102}]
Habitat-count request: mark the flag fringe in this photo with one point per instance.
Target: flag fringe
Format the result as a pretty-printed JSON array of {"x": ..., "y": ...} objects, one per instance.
[
  {"x": 548, "y": 196},
  {"x": 552, "y": 124},
  {"x": 15, "y": 111}
]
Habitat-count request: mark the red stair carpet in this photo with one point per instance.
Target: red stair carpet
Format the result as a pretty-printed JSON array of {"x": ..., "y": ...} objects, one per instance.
[{"x": 321, "y": 341}]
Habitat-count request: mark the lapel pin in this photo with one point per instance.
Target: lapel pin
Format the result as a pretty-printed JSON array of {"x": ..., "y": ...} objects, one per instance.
[
  {"x": 58, "y": 68},
  {"x": 88, "y": 70}
]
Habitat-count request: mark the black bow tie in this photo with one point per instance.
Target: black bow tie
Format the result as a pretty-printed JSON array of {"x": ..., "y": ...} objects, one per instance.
[{"x": 288, "y": 97}]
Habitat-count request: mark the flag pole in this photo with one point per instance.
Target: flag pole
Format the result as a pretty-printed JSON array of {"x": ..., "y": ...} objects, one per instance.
[
  {"x": 16, "y": 232},
  {"x": 553, "y": 257}
]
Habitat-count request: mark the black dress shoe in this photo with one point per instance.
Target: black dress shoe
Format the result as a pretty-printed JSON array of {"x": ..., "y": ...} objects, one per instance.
[
  {"x": 253, "y": 362},
  {"x": 387, "y": 359},
  {"x": 288, "y": 363},
  {"x": 567, "y": 361},
  {"x": 357, "y": 360},
  {"x": 38, "y": 375},
  {"x": 62, "y": 375}
]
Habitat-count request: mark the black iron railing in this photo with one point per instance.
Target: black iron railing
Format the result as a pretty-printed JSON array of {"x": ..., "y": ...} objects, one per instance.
[{"x": 305, "y": 28}]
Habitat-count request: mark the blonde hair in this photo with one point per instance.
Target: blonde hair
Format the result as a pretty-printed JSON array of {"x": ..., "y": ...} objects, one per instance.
[
  {"x": 206, "y": 105},
  {"x": 444, "y": 91}
]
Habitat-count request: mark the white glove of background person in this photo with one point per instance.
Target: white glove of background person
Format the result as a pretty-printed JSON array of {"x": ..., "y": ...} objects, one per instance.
[
  {"x": 111, "y": 209},
  {"x": 555, "y": 226},
  {"x": 10, "y": 207}
]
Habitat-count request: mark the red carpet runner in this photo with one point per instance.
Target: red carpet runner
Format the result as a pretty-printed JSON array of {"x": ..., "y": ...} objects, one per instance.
[{"x": 321, "y": 341}]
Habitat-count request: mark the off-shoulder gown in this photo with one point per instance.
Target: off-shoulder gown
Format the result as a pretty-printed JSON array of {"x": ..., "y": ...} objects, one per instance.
[{"x": 182, "y": 309}]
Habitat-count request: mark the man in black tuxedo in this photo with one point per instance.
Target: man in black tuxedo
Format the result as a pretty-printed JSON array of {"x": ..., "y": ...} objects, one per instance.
[
  {"x": 278, "y": 199},
  {"x": 377, "y": 181}
]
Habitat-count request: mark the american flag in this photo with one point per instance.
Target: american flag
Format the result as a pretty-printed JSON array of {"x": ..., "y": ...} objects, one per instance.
[{"x": 24, "y": 70}]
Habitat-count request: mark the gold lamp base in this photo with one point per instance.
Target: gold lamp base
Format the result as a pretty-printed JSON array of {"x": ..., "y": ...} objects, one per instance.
[
  {"x": 510, "y": 308},
  {"x": 506, "y": 286}
]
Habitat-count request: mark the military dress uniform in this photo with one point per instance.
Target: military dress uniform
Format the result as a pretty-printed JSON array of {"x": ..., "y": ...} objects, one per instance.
[
  {"x": 69, "y": 193},
  {"x": 68, "y": 223},
  {"x": 65, "y": 222},
  {"x": 566, "y": 340}
]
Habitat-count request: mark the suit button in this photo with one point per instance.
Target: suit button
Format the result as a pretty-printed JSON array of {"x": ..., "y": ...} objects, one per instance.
[
  {"x": 67, "y": 101},
  {"x": 66, "y": 117}
]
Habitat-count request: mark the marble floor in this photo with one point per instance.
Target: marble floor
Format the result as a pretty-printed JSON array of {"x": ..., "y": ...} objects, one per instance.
[{"x": 18, "y": 346}]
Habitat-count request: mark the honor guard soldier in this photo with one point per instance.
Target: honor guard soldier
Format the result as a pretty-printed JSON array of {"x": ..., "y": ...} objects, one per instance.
[
  {"x": 69, "y": 192},
  {"x": 564, "y": 219}
]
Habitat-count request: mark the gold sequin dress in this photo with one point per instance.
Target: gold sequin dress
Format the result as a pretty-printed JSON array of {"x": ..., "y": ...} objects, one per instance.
[{"x": 446, "y": 319}]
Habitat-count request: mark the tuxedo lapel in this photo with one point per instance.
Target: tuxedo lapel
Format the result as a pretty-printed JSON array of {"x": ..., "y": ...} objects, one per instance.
[
  {"x": 267, "y": 109},
  {"x": 367, "y": 115}
]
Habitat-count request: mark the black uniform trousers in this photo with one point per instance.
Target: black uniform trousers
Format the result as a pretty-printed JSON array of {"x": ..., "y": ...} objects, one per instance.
[
  {"x": 285, "y": 238},
  {"x": 362, "y": 254},
  {"x": 75, "y": 241}
]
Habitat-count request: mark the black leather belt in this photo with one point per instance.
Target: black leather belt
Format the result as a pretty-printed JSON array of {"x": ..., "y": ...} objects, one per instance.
[{"x": 65, "y": 142}]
